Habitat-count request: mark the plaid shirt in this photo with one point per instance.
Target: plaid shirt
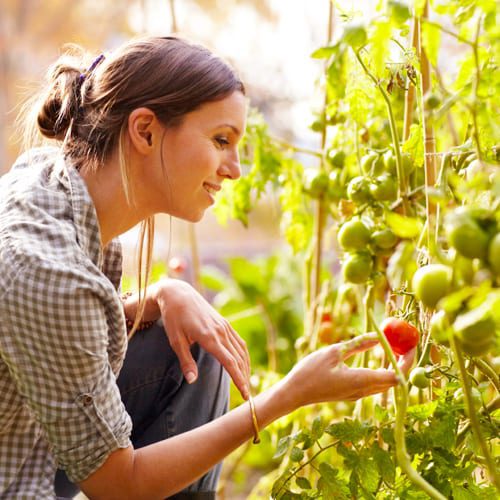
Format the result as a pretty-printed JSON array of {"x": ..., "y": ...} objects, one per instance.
[{"x": 62, "y": 330}]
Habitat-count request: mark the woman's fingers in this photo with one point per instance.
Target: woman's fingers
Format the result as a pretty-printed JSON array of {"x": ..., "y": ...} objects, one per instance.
[
  {"x": 240, "y": 347},
  {"x": 188, "y": 365},
  {"x": 229, "y": 358},
  {"x": 405, "y": 362},
  {"x": 358, "y": 344}
]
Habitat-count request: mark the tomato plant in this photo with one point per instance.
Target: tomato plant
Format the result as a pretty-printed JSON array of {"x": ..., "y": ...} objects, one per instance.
[{"x": 407, "y": 181}]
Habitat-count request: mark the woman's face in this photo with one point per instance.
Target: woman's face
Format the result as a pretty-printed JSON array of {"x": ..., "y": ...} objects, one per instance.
[{"x": 198, "y": 156}]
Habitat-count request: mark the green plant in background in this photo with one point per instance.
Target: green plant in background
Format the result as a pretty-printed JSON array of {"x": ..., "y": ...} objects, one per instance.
[{"x": 408, "y": 178}]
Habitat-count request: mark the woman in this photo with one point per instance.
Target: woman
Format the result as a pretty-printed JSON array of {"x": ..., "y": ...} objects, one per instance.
[{"x": 152, "y": 128}]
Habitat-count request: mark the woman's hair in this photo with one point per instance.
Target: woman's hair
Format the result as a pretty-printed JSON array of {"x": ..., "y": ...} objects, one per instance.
[{"x": 86, "y": 106}]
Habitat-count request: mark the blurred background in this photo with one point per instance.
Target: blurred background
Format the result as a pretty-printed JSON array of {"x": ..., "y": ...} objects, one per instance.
[{"x": 267, "y": 41}]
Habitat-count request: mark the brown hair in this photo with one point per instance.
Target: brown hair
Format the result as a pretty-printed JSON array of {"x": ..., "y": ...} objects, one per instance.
[{"x": 88, "y": 110}]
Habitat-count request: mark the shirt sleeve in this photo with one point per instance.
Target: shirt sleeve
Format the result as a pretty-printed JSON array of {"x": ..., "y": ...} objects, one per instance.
[{"x": 56, "y": 350}]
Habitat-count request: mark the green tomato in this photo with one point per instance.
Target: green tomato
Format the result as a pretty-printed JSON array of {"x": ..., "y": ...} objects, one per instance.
[
  {"x": 418, "y": 377},
  {"x": 336, "y": 157},
  {"x": 477, "y": 339},
  {"x": 354, "y": 235},
  {"x": 358, "y": 190},
  {"x": 355, "y": 34},
  {"x": 439, "y": 327},
  {"x": 494, "y": 254},
  {"x": 477, "y": 399},
  {"x": 384, "y": 188},
  {"x": 431, "y": 283},
  {"x": 384, "y": 239},
  {"x": 390, "y": 161},
  {"x": 432, "y": 101},
  {"x": 367, "y": 162},
  {"x": 465, "y": 235},
  {"x": 336, "y": 188},
  {"x": 407, "y": 164},
  {"x": 357, "y": 267},
  {"x": 464, "y": 270},
  {"x": 316, "y": 183}
]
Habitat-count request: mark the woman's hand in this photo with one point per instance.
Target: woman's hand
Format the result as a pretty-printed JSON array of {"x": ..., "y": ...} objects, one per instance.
[
  {"x": 189, "y": 318},
  {"x": 322, "y": 375}
]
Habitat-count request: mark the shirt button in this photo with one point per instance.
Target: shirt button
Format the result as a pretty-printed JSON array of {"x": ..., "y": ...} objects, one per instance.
[{"x": 87, "y": 399}]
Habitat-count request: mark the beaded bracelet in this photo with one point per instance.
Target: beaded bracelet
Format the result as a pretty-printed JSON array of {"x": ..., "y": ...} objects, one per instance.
[
  {"x": 143, "y": 325},
  {"x": 256, "y": 438}
]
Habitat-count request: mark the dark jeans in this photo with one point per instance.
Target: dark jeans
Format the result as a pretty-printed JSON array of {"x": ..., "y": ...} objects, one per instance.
[{"x": 162, "y": 404}]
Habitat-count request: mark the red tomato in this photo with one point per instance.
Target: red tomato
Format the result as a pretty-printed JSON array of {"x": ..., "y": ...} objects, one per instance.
[
  {"x": 326, "y": 316},
  {"x": 401, "y": 335},
  {"x": 177, "y": 264}
]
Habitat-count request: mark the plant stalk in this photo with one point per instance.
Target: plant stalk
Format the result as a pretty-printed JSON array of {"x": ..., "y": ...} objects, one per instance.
[
  {"x": 394, "y": 133},
  {"x": 471, "y": 412}
]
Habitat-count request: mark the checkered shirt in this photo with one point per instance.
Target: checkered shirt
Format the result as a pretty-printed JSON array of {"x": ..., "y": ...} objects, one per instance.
[{"x": 62, "y": 330}]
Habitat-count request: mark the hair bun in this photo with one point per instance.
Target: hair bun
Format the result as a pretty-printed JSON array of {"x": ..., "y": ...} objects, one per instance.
[{"x": 60, "y": 104}]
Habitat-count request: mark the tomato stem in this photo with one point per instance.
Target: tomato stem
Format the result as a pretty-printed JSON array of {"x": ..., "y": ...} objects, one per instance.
[
  {"x": 394, "y": 133},
  {"x": 471, "y": 411},
  {"x": 489, "y": 372},
  {"x": 401, "y": 403}
]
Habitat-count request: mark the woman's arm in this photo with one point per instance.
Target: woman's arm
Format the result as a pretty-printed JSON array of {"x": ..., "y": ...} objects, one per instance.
[{"x": 166, "y": 467}]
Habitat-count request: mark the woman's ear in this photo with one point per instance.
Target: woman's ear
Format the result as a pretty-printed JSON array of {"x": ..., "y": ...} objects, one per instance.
[{"x": 142, "y": 124}]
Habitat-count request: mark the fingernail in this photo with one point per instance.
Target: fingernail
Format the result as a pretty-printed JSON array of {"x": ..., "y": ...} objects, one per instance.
[{"x": 190, "y": 377}]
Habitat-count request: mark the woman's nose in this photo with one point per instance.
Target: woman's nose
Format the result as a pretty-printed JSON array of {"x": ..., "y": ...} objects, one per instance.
[{"x": 231, "y": 168}]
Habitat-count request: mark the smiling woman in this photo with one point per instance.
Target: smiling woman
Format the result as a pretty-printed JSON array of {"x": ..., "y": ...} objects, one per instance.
[{"x": 152, "y": 128}]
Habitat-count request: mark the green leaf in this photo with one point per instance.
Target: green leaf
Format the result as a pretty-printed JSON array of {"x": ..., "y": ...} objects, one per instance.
[
  {"x": 317, "y": 428},
  {"x": 414, "y": 145},
  {"x": 283, "y": 445},
  {"x": 303, "y": 483},
  {"x": 422, "y": 411},
  {"x": 349, "y": 430},
  {"x": 402, "y": 265},
  {"x": 368, "y": 474},
  {"x": 328, "y": 473},
  {"x": 380, "y": 37},
  {"x": 296, "y": 454},
  {"x": 385, "y": 463},
  {"x": 404, "y": 226},
  {"x": 214, "y": 279},
  {"x": 325, "y": 52},
  {"x": 431, "y": 40}
]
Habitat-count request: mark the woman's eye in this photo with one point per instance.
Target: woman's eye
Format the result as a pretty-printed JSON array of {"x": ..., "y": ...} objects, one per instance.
[{"x": 221, "y": 141}]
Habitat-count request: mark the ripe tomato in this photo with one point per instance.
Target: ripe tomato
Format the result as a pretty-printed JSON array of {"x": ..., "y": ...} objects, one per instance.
[
  {"x": 326, "y": 333},
  {"x": 354, "y": 235},
  {"x": 358, "y": 190},
  {"x": 384, "y": 188},
  {"x": 401, "y": 335},
  {"x": 357, "y": 267},
  {"x": 431, "y": 283},
  {"x": 418, "y": 377},
  {"x": 177, "y": 264},
  {"x": 494, "y": 254}
]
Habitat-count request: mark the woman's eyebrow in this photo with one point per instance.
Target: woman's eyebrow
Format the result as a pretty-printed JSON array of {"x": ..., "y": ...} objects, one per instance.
[{"x": 232, "y": 127}]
